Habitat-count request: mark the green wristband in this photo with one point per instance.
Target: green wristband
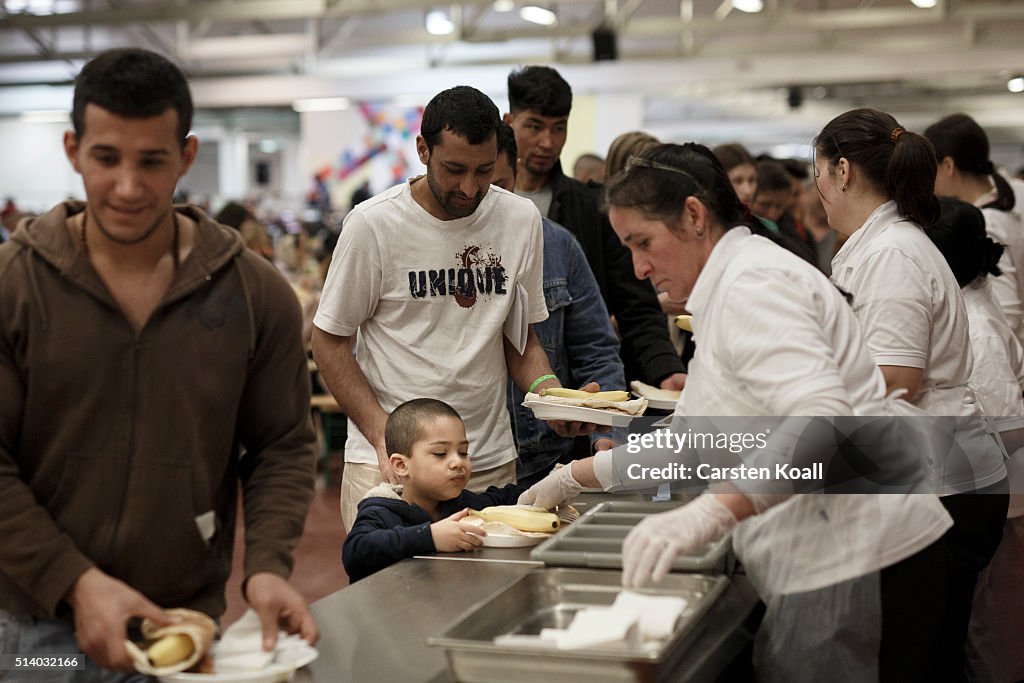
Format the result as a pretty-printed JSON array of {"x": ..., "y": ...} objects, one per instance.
[{"x": 539, "y": 380}]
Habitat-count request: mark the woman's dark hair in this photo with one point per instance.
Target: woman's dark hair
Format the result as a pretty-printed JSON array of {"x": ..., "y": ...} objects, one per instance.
[
  {"x": 733, "y": 154},
  {"x": 960, "y": 236},
  {"x": 463, "y": 110},
  {"x": 772, "y": 177},
  {"x": 133, "y": 84},
  {"x": 540, "y": 89},
  {"x": 896, "y": 161},
  {"x": 660, "y": 193},
  {"x": 960, "y": 137},
  {"x": 234, "y": 214}
]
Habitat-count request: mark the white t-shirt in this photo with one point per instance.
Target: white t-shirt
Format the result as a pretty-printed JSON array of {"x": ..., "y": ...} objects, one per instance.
[
  {"x": 912, "y": 314},
  {"x": 774, "y": 337},
  {"x": 429, "y": 299},
  {"x": 1005, "y": 227}
]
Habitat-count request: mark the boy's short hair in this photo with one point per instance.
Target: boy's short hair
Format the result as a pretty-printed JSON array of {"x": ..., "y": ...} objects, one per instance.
[
  {"x": 540, "y": 89},
  {"x": 133, "y": 84},
  {"x": 507, "y": 144},
  {"x": 463, "y": 110},
  {"x": 405, "y": 424}
]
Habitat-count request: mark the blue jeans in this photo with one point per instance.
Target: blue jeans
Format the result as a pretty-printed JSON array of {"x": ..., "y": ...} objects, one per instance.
[{"x": 20, "y": 635}]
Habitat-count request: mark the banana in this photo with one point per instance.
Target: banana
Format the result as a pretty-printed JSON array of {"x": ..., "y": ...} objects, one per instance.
[
  {"x": 562, "y": 392},
  {"x": 170, "y": 650},
  {"x": 524, "y": 519},
  {"x": 683, "y": 322}
]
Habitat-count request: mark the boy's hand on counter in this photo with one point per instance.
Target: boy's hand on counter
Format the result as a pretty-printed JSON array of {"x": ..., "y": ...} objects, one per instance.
[{"x": 455, "y": 533}]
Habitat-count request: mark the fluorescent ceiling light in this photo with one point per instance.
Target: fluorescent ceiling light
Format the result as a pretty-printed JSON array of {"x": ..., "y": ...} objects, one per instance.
[
  {"x": 1015, "y": 84},
  {"x": 321, "y": 104},
  {"x": 748, "y": 5},
  {"x": 45, "y": 116},
  {"x": 438, "y": 23},
  {"x": 503, "y": 5},
  {"x": 538, "y": 15},
  {"x": 924, "y": 4}
]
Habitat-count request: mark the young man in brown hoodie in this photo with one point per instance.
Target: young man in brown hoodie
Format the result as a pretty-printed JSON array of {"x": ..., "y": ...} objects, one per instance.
[{"x": 142, "y": 348}]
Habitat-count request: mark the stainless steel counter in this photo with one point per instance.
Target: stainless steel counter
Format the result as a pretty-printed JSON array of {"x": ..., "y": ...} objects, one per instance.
[{"x": 376, "y": 629}]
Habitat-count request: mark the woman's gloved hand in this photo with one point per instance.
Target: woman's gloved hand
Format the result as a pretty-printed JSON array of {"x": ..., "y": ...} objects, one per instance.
[
  {"x": 654, "y": 543},
  {"x": 552, "y": 490}
]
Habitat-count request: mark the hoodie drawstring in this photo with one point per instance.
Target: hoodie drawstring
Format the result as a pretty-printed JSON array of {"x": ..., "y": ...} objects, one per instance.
[{"x": 37, "y": 292}]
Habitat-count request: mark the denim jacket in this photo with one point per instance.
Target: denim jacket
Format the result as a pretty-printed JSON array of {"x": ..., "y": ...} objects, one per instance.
[{"x": 580, "y": 343}]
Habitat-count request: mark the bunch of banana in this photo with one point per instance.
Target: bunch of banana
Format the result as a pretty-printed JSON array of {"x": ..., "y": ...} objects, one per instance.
[
  {"x": 522, "y": 518},
  {"x": 562, "y": 392}
]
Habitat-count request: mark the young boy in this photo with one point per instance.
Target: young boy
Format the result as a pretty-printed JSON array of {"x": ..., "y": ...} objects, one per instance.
[{"x": 425, "y": 513}]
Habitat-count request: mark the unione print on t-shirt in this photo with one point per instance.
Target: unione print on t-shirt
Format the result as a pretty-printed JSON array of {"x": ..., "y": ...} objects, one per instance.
[{"x": 476, "y": 273}]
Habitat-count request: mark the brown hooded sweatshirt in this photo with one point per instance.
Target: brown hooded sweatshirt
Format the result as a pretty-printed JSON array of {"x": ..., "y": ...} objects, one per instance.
[{"x": 125, "y": 451}]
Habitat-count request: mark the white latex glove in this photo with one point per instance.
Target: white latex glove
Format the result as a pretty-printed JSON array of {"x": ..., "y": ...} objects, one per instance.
[
  {"x": 653, "y": 544},
  {"x": 552, "y": 490}
]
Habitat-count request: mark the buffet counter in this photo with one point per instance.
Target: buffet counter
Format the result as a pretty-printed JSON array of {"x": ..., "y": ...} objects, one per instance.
[{"x": 376, "y": 629}]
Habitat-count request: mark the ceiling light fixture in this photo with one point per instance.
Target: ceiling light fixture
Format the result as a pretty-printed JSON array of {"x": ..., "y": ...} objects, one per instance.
[
  {"x": 438, "y": 23},
  {"x": 503, "y": 5},
  {"x": 925, "y": 4},
  {"x": 750, "y": 6},
  {"x": 538, "y": 15},
  {"x": 1015, "y": 84},
  {"x": 45, "y": 116},
  {"x": 321, "y": 104}
]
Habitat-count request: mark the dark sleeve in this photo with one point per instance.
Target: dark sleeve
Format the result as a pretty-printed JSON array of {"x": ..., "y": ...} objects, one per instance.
[
  {"x": 373, "y": 543},
  {"x": 507, "y": 495},
  {"x": 275, "y": 425},
  {"x": 634, "y": 303}
]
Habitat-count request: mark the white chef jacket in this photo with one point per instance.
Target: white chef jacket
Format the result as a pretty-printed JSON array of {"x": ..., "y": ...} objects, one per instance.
[
  {"x": 912, "y": 314},
  {"x": 774, "y": 337},
  {"x": 1005, "y": 227},
  {"x": 998, "y": 376}
]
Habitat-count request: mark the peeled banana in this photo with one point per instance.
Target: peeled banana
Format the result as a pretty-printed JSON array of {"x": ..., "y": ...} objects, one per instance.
[
  {"x": 522, "y": 518},
  {"x": 170, "y": 650},
  {"x": 562, "y": 392}
]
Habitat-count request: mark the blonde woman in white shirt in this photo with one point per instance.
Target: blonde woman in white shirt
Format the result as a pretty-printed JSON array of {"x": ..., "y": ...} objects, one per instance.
[
  {"x": 966, "y": 172},
  {"x": 876, "y": 180},
  {"x": 850, "y": 580},
  {"x": 994, "y": 650}
]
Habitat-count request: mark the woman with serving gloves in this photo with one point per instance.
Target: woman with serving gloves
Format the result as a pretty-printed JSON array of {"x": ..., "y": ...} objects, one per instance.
[{"x": 853, "y": 583}]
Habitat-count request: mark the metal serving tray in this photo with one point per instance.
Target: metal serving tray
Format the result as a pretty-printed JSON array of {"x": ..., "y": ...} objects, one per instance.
[
  {"x": 595, "y": 540},
  {"x": 548, "y": 597}
]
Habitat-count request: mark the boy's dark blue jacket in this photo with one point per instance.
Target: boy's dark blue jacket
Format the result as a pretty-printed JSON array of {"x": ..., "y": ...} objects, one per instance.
[{"x": 388, "y": 529}]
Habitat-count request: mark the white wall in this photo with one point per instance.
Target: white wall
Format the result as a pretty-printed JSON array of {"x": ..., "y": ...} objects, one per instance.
[{"x": 35, "y": 171}]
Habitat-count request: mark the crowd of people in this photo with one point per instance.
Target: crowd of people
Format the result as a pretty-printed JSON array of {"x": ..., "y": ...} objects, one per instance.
[{"x": 155, "y": 369}]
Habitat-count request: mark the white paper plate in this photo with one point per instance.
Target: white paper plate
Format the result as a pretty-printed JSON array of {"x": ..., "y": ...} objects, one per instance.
[
  {"x": 661, "y": 404},
  {"x": 554, "y": 411},
  {"x": 513, "y": 540},
  {"x": 277, "y": 672}
]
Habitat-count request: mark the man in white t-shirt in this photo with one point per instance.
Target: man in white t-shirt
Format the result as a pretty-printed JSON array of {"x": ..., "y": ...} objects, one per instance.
[{"x": 423, "y": 280}]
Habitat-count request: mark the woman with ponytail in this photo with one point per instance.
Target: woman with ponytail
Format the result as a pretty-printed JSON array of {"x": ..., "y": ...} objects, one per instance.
[
  {"x": 966, "y": 173},
  {"x": 876, "y": 182},
  {"x": 997, "y": 619}
]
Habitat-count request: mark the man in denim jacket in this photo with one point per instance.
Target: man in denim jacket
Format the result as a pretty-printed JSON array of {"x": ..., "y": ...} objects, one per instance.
[{"x": 578, "y": 337}]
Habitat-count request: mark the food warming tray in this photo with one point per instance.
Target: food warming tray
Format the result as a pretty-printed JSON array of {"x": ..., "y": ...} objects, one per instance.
[
  {"x": 550, "y": 597},
  {"x": 595, "y": 540}
]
